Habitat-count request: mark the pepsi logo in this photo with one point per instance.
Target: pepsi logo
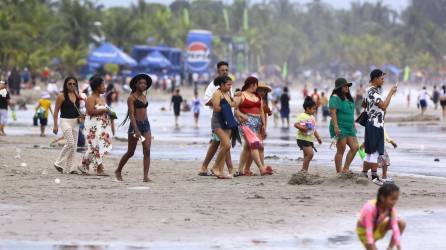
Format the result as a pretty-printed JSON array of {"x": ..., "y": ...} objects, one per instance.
[{"x": 197, "y": 52}]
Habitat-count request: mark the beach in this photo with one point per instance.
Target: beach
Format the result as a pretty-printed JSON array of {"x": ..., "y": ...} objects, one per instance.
[
  {"x": 181, "y": 207},
  {"x": 42, "y": 209}
]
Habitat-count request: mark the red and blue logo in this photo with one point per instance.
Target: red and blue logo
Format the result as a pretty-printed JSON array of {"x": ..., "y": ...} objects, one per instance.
[{"x": 198, "y": 56}]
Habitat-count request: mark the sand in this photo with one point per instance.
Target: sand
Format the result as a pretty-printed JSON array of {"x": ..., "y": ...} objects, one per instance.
[{"x": 178, "y": 205}]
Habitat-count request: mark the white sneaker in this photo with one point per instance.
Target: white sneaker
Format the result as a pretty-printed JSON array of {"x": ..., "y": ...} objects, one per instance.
[
  {"x": 388, "y": 180},
  {"x": 377, "y": 181}
]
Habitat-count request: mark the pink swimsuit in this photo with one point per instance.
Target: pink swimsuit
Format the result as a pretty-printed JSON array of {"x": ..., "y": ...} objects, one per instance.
[{"x": 367, "y": 217}]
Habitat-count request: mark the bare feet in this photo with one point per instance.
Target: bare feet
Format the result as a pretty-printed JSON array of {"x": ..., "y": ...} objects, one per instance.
[
  {"x": 118, "y": 176},
  {"x": 100, "y": 171},
  {"x": 146, "y": 179}
]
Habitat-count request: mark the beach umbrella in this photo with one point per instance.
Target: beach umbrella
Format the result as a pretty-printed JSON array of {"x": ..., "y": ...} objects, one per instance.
[
  {"x": 155, "y": 60},
  {"x": 108, "y": 53}
]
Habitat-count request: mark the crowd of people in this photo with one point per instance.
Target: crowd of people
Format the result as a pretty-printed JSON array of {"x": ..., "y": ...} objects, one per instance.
[{"x": 238, "y": 115}]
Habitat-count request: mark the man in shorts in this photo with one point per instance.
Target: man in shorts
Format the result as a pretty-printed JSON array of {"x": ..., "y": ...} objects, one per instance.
[{"x": 376, "y": 107}]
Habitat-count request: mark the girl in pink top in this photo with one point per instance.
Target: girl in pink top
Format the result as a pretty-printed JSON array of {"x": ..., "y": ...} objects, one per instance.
[{"x": 379, "y": 216}]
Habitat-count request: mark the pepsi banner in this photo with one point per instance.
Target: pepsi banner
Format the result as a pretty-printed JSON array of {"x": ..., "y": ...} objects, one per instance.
[{"x": 198, "y": 51}]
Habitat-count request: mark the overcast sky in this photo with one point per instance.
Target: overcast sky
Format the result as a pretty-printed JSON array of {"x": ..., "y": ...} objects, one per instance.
[{"x": 395, "y": 4}]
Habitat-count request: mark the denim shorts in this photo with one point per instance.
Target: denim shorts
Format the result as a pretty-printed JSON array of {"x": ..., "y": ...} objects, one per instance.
[{"x": 143, "y": 126}]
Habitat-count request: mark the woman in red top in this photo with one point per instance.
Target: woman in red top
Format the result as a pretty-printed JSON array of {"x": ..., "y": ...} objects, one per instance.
[{"x": 249, "y": 111}]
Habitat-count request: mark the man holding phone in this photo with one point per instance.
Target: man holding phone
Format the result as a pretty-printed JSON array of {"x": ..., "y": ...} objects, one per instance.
[{"x": 376, "y": 107}]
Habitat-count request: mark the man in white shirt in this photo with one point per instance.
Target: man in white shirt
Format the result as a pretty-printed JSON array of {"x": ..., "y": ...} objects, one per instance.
[
  {"x": 222, "y": 70},
  {"x": 422, "y": 100}
]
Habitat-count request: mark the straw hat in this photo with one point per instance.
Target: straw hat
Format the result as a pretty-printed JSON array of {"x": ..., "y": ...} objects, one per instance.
[{"x": 263, "y": 85}]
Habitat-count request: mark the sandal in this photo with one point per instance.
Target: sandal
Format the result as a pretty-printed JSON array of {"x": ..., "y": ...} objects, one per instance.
[
  {"x": 249, "y": 173},
  {"x": 83, "y": 172},
  {"x": 59, "y": 169},
  {"x": 208, "y": 173},
  {"x": 74, "y": 172},
  {"x": 238, "y": 174}
]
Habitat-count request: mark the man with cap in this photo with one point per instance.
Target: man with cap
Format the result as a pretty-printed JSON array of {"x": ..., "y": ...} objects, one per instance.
[
  {"x": 376, "y": 107},
  {"x": 222, "y": 70}
]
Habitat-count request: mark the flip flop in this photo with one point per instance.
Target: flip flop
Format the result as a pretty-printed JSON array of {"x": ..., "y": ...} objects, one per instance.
[
  {"x": 83, "y": 172},
  {"x": 205, "y": 174},
  {"x": 249, "y": 173},
  {"x": 59, "y": 169},
  {"x": 102, "y": 174},
  {"x": 74, "y": 172},
  {"x": 268, "y": 171},
  {"x": 238, "y": 174},
  {"x": 224, "y": 177}
]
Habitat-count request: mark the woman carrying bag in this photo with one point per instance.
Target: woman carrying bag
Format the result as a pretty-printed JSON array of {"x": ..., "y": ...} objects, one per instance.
[
  {"x": 249, "y": 110},
  {"x": 67, "y": 103}
]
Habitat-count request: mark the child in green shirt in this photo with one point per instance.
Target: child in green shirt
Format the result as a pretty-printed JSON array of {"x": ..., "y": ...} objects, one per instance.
[{"x": 306, "y": 125}]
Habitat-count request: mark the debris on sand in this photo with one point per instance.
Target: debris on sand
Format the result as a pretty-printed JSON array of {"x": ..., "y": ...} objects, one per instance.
[
  {"x": 304, "y": 178},
  {"x": 256, "y": 196},
  {"x": 436, "y": 159}
]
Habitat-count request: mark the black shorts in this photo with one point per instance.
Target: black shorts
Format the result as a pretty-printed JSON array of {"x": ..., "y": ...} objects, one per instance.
[
  {"x": 423, "y": 103},
  {"x": 43, "y": 121},
  {"x": 176, "y": 112},
  {"x": 373, "y": 139},
  {"x": 443, "y": 103},
  {"x": 303, "y": 143}
]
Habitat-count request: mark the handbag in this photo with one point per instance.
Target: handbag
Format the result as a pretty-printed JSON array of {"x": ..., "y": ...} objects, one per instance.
[
  {"x": 253, "y": 140},
  {"x": 362, "y": 118},
  {"x": 81, "y": 117}
]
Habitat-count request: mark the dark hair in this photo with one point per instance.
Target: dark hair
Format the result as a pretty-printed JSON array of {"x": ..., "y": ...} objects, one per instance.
[
  {"x": 341, "y": 95},
  {"x": 384, "y": 191},
  {"x": 322, "y": 93},
  {"x": 96, "y": 82},
  {"x": 237, "y": 89},
  {"x": 220, "y": 80},
  {"x": 65, "y": 89},
  {"x": 444, "y": 89},
  {"x": 251, "y": 80},
  {"x": 285, "y": 89},
  {"x": 308, "y": 103},
  {"x": 222, "y": 63}
]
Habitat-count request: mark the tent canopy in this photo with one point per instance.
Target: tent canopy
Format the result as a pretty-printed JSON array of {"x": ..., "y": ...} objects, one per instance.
[
  {"x": 108, "y": 53},
  {"x": 155, "y": 60}
]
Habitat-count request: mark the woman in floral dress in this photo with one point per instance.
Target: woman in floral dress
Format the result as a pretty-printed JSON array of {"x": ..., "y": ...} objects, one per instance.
[{"x": 99, "y": 128}]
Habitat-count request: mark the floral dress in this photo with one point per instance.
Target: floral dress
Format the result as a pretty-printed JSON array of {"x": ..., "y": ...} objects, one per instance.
[{"x": 99, "y": 142}]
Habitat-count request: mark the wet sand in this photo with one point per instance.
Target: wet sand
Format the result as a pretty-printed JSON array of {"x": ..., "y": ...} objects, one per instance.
[{"x": 181, "y": 207}]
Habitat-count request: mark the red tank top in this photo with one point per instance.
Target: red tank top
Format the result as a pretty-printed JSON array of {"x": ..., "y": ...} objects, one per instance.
[{"x": 250, "y": 107}]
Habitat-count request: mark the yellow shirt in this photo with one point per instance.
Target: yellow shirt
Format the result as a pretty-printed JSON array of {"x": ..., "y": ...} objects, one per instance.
[
  {"x": 45, "y": 104},
  {"x": 306, "y": 118}
]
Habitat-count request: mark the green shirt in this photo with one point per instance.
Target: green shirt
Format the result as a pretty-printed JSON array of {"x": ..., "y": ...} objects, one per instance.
[
  {"x": 345, "y": 112},
  {"x": 304, "y": 118}
]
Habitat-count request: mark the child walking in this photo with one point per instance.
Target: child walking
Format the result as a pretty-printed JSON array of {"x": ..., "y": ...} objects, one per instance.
[
  {"x": 379, "y": 216},
  {"x": 306, "y": 125},
  {"x": 42, "y": 111}
]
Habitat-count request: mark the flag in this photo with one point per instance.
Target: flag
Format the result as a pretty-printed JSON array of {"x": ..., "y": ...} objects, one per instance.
[
  {"x": 226, "y": 18},
  {"x": 186, "y": 16},
  {"x": 406, "y": 76},
  {"x": 285, "y": 70},
  {"x": 245, "y": 19}
]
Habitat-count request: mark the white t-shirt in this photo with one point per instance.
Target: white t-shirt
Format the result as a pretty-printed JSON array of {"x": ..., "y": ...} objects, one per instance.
[{"x": 423, "y": 96}]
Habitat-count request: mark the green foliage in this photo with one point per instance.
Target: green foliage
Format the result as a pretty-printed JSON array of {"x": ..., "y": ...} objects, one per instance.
[{"x": 33, "y": 32}]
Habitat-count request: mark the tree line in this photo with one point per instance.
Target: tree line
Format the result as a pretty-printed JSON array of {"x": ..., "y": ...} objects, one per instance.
[{"x": 40, "y": 33}]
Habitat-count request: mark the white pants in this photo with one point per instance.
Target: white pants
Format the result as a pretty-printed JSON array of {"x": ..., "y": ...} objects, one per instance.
[{"x": 70, "y": 130}]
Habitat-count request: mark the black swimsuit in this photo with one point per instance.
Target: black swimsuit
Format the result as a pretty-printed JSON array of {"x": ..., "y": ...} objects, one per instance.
[{"x": 143, "y": 126}]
